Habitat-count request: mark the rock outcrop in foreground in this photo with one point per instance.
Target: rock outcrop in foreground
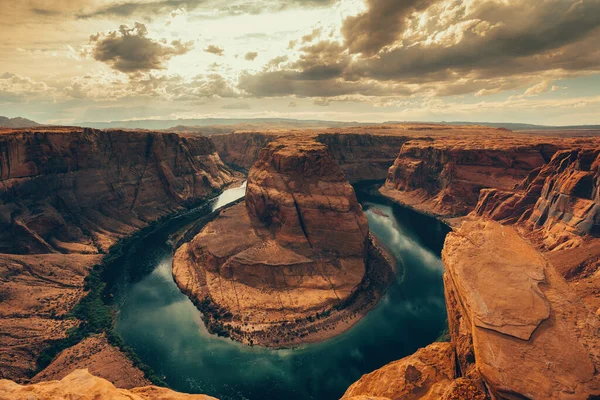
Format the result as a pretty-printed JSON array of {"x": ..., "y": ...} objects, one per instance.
[
  {"x": 514, "y": 320},
  {"x": 429, "y": 374},
  {"x": 81, "y": 385},
  {"x": 518, "y": 331},
  {"x": 295, "y": 262},
  {"x": 67, "y": 195}
]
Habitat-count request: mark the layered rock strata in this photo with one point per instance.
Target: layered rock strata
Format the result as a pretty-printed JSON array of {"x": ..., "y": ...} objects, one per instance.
[
  {"x": 67, "y": 195},
  {"x": 560, "y": 200},
  {"x": 81, "y": 385},
  {"x": 292, "y": 264},
  {"x": 75, "y": 190},
  {"x": 444, "y": 177},
  {"x": 362, "y": 155}
]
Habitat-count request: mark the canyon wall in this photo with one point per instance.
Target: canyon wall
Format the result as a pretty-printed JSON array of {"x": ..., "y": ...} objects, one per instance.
[
  {"x": 67, "y": 195},
  {"x": 362, "y": 155},
  {"x": 444, "y": 177},
  {"x": 242, "y": 149},
  {"x": 561, "y": 200},
  {"x": 79, "y": 190},
  {"x": 294, "y": 262}
]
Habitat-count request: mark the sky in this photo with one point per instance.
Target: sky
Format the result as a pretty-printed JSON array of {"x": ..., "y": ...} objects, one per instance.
[{"x": 533, "y": 61}]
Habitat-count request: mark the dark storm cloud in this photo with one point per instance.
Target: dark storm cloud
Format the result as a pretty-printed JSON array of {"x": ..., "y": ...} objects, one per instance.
[
  {"x": 490, "y": 47},
  {"x": 514, "y": 39},
  {"x": 379, "y": 26},
  {"x": 285, "y": 83},
  {"x": 129, "y": 50}
]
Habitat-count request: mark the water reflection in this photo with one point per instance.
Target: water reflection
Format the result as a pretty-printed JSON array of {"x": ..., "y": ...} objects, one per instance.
[{"x": 166, "y": 330}]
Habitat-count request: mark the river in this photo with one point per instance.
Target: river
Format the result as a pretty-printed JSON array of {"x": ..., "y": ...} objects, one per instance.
[{"x": 166, "y": 330}]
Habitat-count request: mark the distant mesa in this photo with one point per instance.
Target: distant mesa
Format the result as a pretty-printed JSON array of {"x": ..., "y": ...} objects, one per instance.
[
  {"x": 295, "y": 262},
  {"x": 17, "y": 122}
]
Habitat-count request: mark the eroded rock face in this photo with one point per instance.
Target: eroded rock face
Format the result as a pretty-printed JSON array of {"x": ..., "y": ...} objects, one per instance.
[
  {"x": 68, "y": 194},
  {"x": 514, "y": 321},
  {"x": 561, "y": 200},
  {"x": 298, "y": 191},
  {"x": 424, "y": 375},
  {"x": 242, "y": 149},
  {"x": 81, "y": 385},
  {"x": 100, "y": 358},
  {"x": 428, "y": 374},
  {"x": 290, "y": 260},
  {"x": 444, "y": 177},
  {"x": 75, "y": 190},
  {"x": 362, "y": 155}
]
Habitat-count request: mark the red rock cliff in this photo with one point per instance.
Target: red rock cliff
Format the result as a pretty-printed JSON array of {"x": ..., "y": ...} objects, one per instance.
[
  {"x": 560, "y": 201},
  {"x": 78, "y": 190},
  {"x": 362, "y": 155},
  {"x": 444, "y": 177},
  {"x": 65, "y": 195}
]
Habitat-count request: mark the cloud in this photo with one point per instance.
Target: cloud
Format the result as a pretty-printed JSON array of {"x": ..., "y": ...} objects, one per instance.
[
  {"x": 285, "y": 83},
  {"x": 152, "y": 8},
  {"x": 441, "y": 48},
  {"x": 508, "y": 38},
  {"x": 250, "y": 56},
  {"x": 214, "y": 50},
  {"x": 16, "y": 88},
  {"x": 292, "y": 104},
  {"x": 129, "y": 50},
  {"x": 275, "y": 62},
  {"x": 542, "y": 87},
  {"x": 311, "y": 36},
  {"x": 381, "y": 25},
  {"x": 236, "y": 106},
  {"x": 128, "y": 9}
]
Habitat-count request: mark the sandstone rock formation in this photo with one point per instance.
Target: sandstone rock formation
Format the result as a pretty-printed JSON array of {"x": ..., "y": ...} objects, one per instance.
[
  {"x": 67, "y": 194},
  {"x": 518, "y": 331},
  {"x": 81, "y": 385},
  {"x": 75, "y": 190},
  {"x": 513, "y": 319},
  {"x": 364, "y": 154},
  {"x": 428, "y": 374},
  {"x": 289, "y": 262},
  {"x": 560, "y": 200},
  {"x": 444, "y": 177},
  {"x": 100, "y": 358}
]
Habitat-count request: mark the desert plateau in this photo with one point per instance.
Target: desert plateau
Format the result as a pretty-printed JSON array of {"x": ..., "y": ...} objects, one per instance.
[{"x": 300, "y": 200}]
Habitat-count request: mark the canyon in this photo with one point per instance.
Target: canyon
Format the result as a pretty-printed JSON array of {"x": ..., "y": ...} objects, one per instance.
[
  {"x": 545, "y": 192},
  {"x": 521, "y": 265},
  {"x": 68, "y": 195},
  {"x": 292, "y": 264}
]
